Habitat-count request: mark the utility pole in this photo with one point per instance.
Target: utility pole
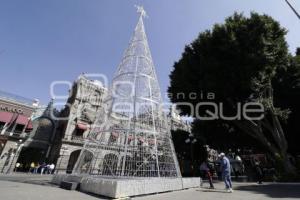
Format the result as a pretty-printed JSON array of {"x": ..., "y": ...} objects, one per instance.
[{"x": 293, "y": 9}]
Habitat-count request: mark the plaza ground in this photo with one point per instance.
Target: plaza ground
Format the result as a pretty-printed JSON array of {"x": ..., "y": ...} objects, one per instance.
[{"x": 36, "y": 187}]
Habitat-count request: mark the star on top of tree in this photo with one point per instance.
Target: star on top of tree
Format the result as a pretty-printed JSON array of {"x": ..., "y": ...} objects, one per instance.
[{"x": 141, "y": 10}]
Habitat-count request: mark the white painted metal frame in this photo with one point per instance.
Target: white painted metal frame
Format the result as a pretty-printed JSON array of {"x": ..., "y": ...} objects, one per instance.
[{"x": 132, "y": 138}]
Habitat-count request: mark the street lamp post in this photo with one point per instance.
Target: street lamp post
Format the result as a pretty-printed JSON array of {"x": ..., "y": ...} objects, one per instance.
[{"x": 191, "y": 140}]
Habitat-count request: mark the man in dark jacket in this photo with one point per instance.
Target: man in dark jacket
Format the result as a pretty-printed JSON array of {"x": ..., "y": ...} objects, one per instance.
[
  {"x": 206, "y": 171},
  {"x": 259, "y": 172}
]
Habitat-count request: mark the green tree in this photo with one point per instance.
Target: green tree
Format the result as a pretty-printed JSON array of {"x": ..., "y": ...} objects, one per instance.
[
  {"x": 286, "y": 85},
  {"x": 237, "y": 61}
]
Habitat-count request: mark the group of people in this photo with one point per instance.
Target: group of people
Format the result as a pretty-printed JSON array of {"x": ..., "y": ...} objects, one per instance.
[
  {"x": 207, "y": 170},
  {"x": 41, "y": 168}
]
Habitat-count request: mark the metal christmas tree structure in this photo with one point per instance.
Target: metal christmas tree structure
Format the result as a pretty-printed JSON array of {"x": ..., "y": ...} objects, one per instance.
[{"x": 132, "y": 137}]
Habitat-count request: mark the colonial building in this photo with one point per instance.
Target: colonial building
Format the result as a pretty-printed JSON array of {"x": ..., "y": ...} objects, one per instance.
[
  {"x": 15, "y": 124},
  {"x": 27, "y": 132},
  {"x": 40, "y": 144},
  {"x": 84, "y": 103},
  {"x": 177, "y": 122}
]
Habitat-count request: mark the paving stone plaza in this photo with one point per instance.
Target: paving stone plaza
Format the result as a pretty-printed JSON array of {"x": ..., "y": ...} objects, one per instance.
[{"x": 35, "y": 187}]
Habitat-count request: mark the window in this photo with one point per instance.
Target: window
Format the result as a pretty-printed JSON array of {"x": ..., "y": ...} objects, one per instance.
[
  {"x": 113, "y": 137},
  {"x": 79, "y": 132},
  {"x": 2, "y": 125},
  {"x": 19, "y": 128}
]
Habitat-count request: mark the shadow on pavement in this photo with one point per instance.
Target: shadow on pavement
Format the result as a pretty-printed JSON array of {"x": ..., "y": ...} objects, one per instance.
[
  {"x": 211, "y": 190},
  {"x": 276, "y": 190}
]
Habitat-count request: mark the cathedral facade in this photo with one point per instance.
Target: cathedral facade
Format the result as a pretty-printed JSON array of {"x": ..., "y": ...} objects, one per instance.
[{"x": 86, "y": 99}]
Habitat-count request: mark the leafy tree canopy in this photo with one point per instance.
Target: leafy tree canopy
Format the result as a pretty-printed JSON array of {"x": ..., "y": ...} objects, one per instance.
[
  {"x": 233, "y": 60},
  {"x": 246, "y": 59}
]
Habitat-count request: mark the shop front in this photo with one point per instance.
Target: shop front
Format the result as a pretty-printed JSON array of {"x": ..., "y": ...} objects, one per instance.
[{"x": 15, "y": 124}]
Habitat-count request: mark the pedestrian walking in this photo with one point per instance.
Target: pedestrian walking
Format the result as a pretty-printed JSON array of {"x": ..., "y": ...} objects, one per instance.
[
  {"x": 206, "y": 172},
  {"x": 226, "y": 172},
  {"x": 259, "y": 172},
  {"x": 43, "y": 167},
  {"x": 51, "y": 168},
  {"x": 18, "y": 165},
  {"x": 31, "y": 169},
  {"x": 36, "y": 168},
  {"x": 47, "y": 171}
]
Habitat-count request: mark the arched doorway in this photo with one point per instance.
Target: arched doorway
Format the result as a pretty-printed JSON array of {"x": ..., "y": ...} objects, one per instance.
[
  {"x": 84, "y": 163},
  {"x": 37, "y": 146},
  {"x": 30, "y": 155},
  {"x": 110, "y": 164},
  {"x": 72, "y": 161}
]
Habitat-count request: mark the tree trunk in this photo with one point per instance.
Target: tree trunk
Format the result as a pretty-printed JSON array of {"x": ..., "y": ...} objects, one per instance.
[
  {"x": 288, "y": 167},
  {"x": 278, "y": 151},
  {"x": 279, "y": 138},
  {"x": 259, "y": 129}
]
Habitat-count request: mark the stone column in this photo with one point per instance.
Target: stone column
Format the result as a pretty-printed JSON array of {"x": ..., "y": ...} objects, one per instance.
[{"x": 62, "y": 162}]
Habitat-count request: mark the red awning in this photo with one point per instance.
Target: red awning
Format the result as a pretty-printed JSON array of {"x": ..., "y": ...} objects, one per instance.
[
  {"x": 29, "y": 126},
  {"x": 22, "y": 120},
  {"x": 82, "y": 126},
  {"x": 6, "y": 117}
]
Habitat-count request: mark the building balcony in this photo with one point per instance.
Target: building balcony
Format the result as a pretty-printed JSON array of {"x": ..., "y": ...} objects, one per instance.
[{"x": 77, "y": 139}]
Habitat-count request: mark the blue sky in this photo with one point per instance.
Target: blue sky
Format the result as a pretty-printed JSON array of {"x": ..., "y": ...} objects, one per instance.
[{"x": 42, "y": 41}]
